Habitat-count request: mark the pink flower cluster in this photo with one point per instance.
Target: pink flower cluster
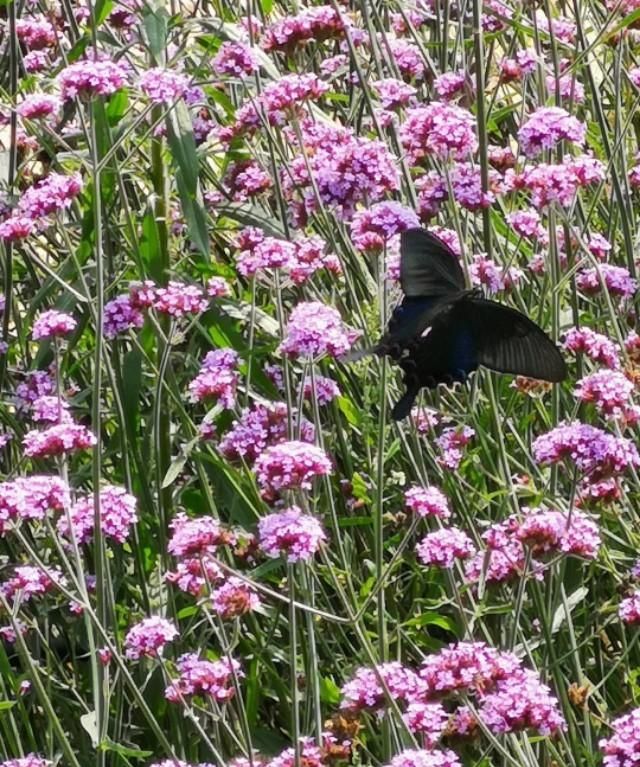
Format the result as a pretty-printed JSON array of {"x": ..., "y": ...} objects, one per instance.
[
  {"x": 234, "y": 59},
  {"x": 147, "y": 639},
  {"x": 30, "y": 760},
  {"x": 546, "y": 127},
  {"x": 421, "y": 758},
  {"x": 213, "y": 679},
  {"x": 527, "y": 224},
  {"x": 217, "y": 378},
  {"x": 621, "y": 749},
  {"x": 37, "y": 106},
  {"x": 316, "y": 23},
  {"x": 291, "y": 465},
  {"x": 427, "y": 502},
  {"x": 52, "y": 324},
  {"x": 610, "y": 391},
  {"x": 594, "y": 452},
  {"x": 234, "y": 598},
  {"x": 178, "y": 299},
  {"x": 347, "y": 169},
  {"x": 192, "y": 536},
  {"x": 290, "y": 533},
  {"x": 597, "y": 347},
  {"x": 629, "y": 610},
  {"x": 258, "y": 428},
  {"x": 616, "y": 279},
  {"x": 29, "y": 581},
  {"x": 451, "y": 443},
  {"x": 163, "y": 86},
  {"x": 558, "y": 183},
  {"x": 442, "y": 547},
  {"x": 121, "y": 315},
  {"x": 393, "y": 93},
  {"x": 450, "y": 85},
  {"x": 30, "y": 498},
  {"x": 365, "y": 691},
  {"x": 314, "y": 330},
  {"x": 371, "y": 229},
  {"x": 91, "y": 78},
  {"x": 438, "y": 129},
  {"x": 61, "y": 438},
  {"x": 117, "y": 514}
]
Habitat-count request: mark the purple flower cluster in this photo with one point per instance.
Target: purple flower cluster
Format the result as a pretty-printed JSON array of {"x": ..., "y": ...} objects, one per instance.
[
  {"x": 291, "y": 465},
  {"x": 234, "y": 59},
  {"x": 213, "y": 679},
  {"x": 316, "y": 23},
  {"x": 438, "y": 129},
  {"x": 61, "y": 438},
  {"x": 314, "y": 330},
  {"x": 629, "y": 610},
  {"x": 121, "y": 315},
  {"x": 427, "y": 502},
  {"x": 117, "y": 514},
  {"x": 451, "y": 443},
  {"x": 442, "y": 547},
  {"x": 29, "y": 581},
  {"x": 364, "y": 690},
  {"x": 147, "y": 639},
  {"x": 559, "y": 183},
  {"x": 217, "y": 378},
  {"x": 30, "y": 498},
  {"x": 592, "y": 451},
  {"x": 193, "y": 536},
  {"x": 30, "y": 760},
  {"x": 450, "y": 85},
  {"x": 52, "y": 324},
  {"x": 37, "y": 106},
  {"x": 610, "y": 391},
  {"x": 371, "y": 229},
  {"x": 546, "y": 127},
  {"x": 616, "y": 279},
  {"x": 527, "y": 224},
  {"x": 290, "y": 533},
  {"x": 421, "y": 758},
  {"x": 178, "y": 299},
  {"x": 163, "y": 86},
  {"x": 597, "y": 347},
  {"x": 234, "y": 598},
  {"x": 92, "y": 77},
  {"x": 621, "y": 749},
  {"x": 394, "y": 93}
]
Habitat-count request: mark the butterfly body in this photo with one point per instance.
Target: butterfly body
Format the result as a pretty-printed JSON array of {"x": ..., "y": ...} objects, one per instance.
[{"x": 442, "y": 332}]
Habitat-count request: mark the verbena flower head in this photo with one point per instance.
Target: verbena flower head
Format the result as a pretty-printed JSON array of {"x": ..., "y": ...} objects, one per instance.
[
  {"x": 438, "y": 129},
  {"x": 621, "y": 749},
  {"x": 163, "y": 86},
  {"x": 30, "y": 498},
  {"x": 316, "y": 23},
  {"x": 591, "y": 450},
  {"x": 364, "y": 690},
  {"x": 527, "y": 223},
  {"x": 546, "y": 127},
  {"x": 610, "y": 391},
  {"x": 258, "y": 428},
  {"x": 322, "y": 389},
  {"x": 269, "y": 253},
  {"x": 37, "y": 106},
  {"x": 30, "y": 760},
  {"x": 53, "y": 194},
  {"x": 546, "y": 530},
  {"x": 291, "y": 534},
  {"x": 617, "y": 280},
  {"x": 218, "y": 378},
  {"x": 179, "y": 299},
  {"x": 90, "y": 78},
  {"x": 234, "y": 598},
  {"x": 37, "y": 383},
  {"x": 426, "y": 719},
  {"x": 35, "y": 32},
  {"x": 450, "y": 443},
  {"x": 149, "y": 637},
  {"x": 191, "y": 536},
  {"x": 291, "y": 465},
  {"x": 629, "y": 610},
  {"x": 466, "y": 666},
  {"x": 450, "y": 85},
  {"x": 212, "y": 679},
  {"x": 195, "y": 575},
  {"x": 120, "y": 315},
  {"x": 117, "y": 515},
  {"x": 65, "y": 437},
  {"x": 235, "y": 59},
  {"x": 407, "y": 58},
  {"x": 442, "y": 547},
  {"x": 52, "y": 324},
  {"x": 596, "y": 346},
  {"x": 371, "y": 229},
  {"x": 420, "y": 758},
  {"x": 521, "y": 702},
  {"x": 427, "y": 502},
  {"x": 561, "y": 182},
  {"x": 314, "y": 330},
  {"x": 394, "y": 93},
  {"x": 50, "y": 409},
  {"x": 311, "y": 257}
]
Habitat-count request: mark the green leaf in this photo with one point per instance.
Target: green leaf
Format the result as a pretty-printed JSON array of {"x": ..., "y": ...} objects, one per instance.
[
  {"x": 155, "y": 29},
  {"x": 117, "y": 106},
  {"x": 183, "y": 150},
  {"x": 108, "y": 745},
  {"x": 349, "y": 411},
  {"x": 432, "y": 619},
  {"x": 7, "y": 704},
  {"x": 150, "y": 251},
  {"x": 131, "y": 383},
  {"x": 329, "y": 691},
  {"x": 101, "y": 10},
  {"x": 266, "y": 5},
  {"x": 560, "y": 615}
]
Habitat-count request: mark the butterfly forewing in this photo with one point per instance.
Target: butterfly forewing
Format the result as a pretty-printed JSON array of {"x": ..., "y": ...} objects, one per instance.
[
  {"x": 428, "y": 267},
  {"x": 509, "y": 342}
]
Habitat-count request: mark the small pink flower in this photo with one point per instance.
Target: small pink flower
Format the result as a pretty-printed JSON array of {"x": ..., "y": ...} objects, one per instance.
[
  {"x": 290, "y": 533},
  {"x": 234, "y": 598},
  {"x": 65, "y": 437},
  {"x": 427, "y": 502},
  {"x": 117, "y": 514},
  {"x": 442, "y": 547},
  {"x": 53, "y": 324},
  {"x": 291, "y": 465},
  {"x": 314, "y": 330},
  {"x": 147, "y": 639},
  {"x": 163, "y": 86},
  {"x": 203, "y": 677}
]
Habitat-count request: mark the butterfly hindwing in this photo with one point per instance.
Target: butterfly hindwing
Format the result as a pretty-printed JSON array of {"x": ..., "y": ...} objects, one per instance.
[
  {"x": 507, "y": 341},
  {"x": 428, "y": 267}
]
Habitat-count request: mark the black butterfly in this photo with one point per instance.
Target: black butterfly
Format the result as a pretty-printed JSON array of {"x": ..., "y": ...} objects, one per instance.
[{"x": 441, "y": 332}]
